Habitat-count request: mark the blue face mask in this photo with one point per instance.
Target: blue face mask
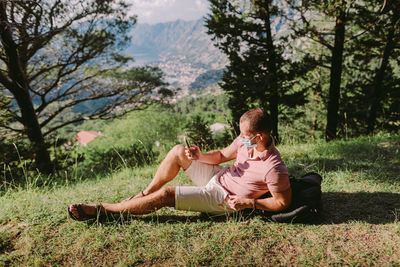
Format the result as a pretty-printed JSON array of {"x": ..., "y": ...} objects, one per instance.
[{"x": 247, "y": 142}]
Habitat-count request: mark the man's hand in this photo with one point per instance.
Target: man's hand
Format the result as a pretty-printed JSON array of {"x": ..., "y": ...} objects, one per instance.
[
  {"x": 193, "y": 152},
  {"x": 239, "y": 203},
  {"x": 211, "y": 157}
]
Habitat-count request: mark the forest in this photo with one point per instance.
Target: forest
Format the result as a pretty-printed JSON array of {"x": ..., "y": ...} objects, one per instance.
[{"x": 321, "y": 69}]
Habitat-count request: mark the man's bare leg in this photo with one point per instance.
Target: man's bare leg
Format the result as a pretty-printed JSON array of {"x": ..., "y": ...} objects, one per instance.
[
  {"x": 168, "y": 170},
  {"x": 147, "y": 204}
]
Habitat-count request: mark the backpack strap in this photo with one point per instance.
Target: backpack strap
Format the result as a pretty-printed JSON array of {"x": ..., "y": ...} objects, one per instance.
[{"x": 290, "y": 216}]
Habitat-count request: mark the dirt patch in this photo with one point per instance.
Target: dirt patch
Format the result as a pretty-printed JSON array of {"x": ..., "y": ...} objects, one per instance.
[{"x": 9, "y": 233}]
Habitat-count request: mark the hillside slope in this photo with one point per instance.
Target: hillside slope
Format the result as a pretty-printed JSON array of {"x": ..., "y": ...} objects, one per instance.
[{"x": 359, "y": 226}]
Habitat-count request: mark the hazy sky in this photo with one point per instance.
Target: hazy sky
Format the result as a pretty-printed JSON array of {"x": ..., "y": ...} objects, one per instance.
[{"x": 155, "y": 11}]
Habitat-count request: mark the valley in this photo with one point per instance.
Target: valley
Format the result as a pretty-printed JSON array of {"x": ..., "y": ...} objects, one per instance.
[{"x": 181, "y": 49}]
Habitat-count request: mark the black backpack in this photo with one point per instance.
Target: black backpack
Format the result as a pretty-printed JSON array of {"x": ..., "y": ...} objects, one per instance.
[{"x": 306, "y": 200}]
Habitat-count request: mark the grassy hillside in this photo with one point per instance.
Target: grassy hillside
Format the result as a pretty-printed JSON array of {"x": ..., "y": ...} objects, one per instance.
[{"x": 359, "y": 226}]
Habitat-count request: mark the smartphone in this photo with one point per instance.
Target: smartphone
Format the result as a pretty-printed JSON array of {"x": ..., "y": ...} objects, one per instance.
[{"x": 187, "y": 144}]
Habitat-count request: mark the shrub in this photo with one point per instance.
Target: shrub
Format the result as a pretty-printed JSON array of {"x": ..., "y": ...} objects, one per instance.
[
  {"x": 132, "y": 141},
  {"x": 224, "y": 138},
  {"x": 16, "y": 160},
  {"x": 100, "y": 156},
  {"x": 199, "y": 132}
]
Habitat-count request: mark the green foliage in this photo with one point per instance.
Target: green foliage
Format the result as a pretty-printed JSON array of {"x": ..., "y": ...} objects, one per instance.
[
  {"x": 141, "y": 81},
  {"x": 224, "y": 138},
  {"x": 258, "y": 74},
  {"x": 212, "y": 107},
  {"x": 16, "y": 161},
  {"x": 307, "y": 123},
  {"x": 18, "y": 166},
  {"x": 199, "y": 132},
  {"x": 203, "y": 111},
  {"x": 132, "y": 141},
  {"x": 100, "y": 156},
  {"x": 368, "y": 98},
  {"x": 66, "y": 156},
  {"x": 368, "y": 87},
  {"x": 371, "y": 101},
  {"x": 64, "y": 57},
  {"x": 5, "y": 114}
]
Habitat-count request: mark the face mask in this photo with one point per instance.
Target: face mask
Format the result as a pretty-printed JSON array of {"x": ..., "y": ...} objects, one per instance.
[{"x": 247, "y": 142}]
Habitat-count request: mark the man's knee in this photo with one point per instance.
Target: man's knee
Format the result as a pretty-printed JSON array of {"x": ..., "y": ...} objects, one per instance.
[
  {"x": 168, "y": 191},
  {"x": 178, "y": 151},
  {"x": 168, "y": 194},
  {"x": 180, "y": 156}
]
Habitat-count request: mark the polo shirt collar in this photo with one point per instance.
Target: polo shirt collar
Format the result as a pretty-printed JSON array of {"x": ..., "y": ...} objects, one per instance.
[{"x": 265, "y": 154}]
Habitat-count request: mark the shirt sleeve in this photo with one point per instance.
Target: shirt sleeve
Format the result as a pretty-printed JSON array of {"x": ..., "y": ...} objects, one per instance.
[
  {"x": 236, "y": 144},
  {"x": 278, "y": 179}
]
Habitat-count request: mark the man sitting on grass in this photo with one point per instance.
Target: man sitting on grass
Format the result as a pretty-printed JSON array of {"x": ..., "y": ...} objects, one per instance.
[{"x": 258, "y": 169}]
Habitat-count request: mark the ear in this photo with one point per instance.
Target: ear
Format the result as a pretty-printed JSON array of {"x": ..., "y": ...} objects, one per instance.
[{"x": 264, "y": 137}]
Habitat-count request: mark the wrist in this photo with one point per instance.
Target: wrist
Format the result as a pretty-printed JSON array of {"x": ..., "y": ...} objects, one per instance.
[
  {"x": 200, "y": 156},
  {"x": 252, "y": 203}
]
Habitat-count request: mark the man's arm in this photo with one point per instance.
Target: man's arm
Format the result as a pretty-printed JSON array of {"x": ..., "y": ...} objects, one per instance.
[
  {"x": 212, "y": 157},
  {"x": 279, "y": 201}
]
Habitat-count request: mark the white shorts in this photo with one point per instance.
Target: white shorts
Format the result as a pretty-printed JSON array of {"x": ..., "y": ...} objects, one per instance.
[{"x": 208, "y": 196}]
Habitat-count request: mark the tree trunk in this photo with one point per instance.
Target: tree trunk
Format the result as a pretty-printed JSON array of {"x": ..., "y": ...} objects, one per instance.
[
  {"x": 33, "y": 131},
  {"x": 272, "y": 71},
  {"x": 19, "y": 87},
  {"x": 378, "y": 90},
  {"x": 335, "y": 77}
]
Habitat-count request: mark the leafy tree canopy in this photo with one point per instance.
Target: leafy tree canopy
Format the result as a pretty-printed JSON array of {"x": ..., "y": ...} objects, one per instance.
[
  {"x": 55, "y": 55},
  {"x": 259, "y": 73}
]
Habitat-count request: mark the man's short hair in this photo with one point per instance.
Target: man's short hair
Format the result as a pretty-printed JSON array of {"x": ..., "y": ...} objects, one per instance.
[{"x": 258, "y": 120}]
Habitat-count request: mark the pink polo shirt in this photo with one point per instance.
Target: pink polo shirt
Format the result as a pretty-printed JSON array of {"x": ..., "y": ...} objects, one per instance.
[{"x": 253, "y": 177}]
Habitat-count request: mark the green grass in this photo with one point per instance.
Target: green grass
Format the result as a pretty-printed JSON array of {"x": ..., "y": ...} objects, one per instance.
[{"x": 359, "y": 225}]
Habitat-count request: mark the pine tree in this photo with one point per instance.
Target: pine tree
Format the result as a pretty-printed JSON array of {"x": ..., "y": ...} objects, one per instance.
[
  {"x": 325, "y": 22},
  {"x": 258, "y": 73},
  {"x": 372, "y": 78},
  {"x": 360, "y": 41}
]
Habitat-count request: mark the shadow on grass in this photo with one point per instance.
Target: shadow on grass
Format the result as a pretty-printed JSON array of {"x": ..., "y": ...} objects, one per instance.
[
  {"x": 384, "y": 171},
  {"x": 165, "y": 218},
  {"x": 338, "y": 207},
  {"x": 374, "y": 208},
  {"x": 381, "y": 160}
]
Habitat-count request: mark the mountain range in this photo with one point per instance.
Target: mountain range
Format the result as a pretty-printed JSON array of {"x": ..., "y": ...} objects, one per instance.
[{"x": 182, "y": 49}]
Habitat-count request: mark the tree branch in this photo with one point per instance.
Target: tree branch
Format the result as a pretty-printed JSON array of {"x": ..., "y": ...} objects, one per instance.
[
  {"x": 74, "y": 61},
  {"x": 314, "y": 32},
  {"x": 105, "y": 109},
  {"x": 66, "y": 93},
  {"x": 11, "y": 129},
  {"x": 73, "y": 103},
  {"x": 103, "y": 115}
]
